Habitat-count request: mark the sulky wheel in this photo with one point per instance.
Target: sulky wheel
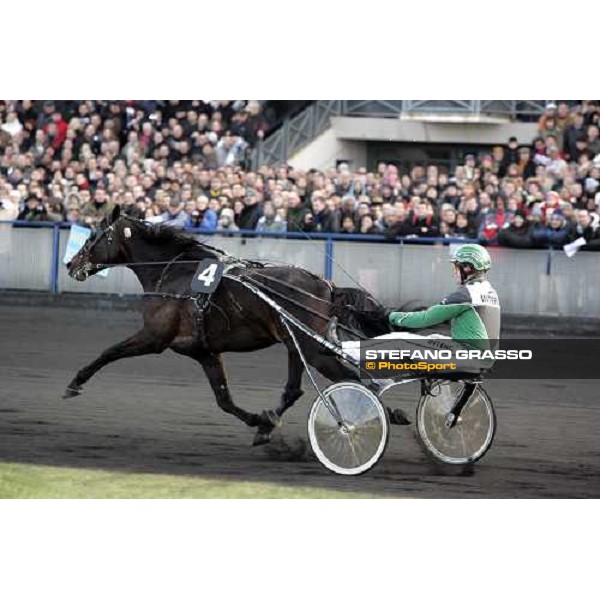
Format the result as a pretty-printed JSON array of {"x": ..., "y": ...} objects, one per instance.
[
  {"x": 461, "y": 442},
  {"x": 348, "y": 428}
]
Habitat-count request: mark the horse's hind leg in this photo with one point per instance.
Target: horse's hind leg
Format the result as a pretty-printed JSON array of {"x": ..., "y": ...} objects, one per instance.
[
  {"x": 215, "y": 371},
  {"x": 291, "y": 393}
]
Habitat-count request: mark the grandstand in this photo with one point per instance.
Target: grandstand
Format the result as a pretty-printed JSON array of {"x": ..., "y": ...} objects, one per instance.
[{"x": 524, "y": 174}]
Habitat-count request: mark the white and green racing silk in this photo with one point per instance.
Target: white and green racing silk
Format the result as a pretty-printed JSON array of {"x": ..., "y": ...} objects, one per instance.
[{"x": 473, "y": 311}]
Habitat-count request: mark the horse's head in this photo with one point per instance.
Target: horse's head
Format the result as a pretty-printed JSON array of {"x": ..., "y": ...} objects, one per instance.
[{"x": 107, "y": 245}]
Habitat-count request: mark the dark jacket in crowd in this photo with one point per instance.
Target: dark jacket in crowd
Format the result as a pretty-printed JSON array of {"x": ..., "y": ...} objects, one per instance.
[
  {"x": 37, "y": 214},
  {"x": 474, "y": 218},
  {"x": 322, "y": 222},
  {"x": 511, "y": 155},
  {"x": 295, "y": 218},
  {"x": 546, "y": 236},
  {"x": 248, "y": 218},
  {"x": 528, "y": 169},
  {"x": 514, "y": 236},
  {"x": 572, "y": 134},
  {"x": 591, "y": 234},
  {"x": 398, "y": 229},
  {"x": 464, "y": 232}
]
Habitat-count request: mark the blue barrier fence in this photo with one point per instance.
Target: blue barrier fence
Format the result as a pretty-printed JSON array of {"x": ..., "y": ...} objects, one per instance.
[
  {"x": 329, "y": 239},
  {"x": 529, "y": 282}
]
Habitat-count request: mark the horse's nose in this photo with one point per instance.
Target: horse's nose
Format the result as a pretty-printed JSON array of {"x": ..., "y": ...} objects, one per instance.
[{"x": 69, "y": 264}]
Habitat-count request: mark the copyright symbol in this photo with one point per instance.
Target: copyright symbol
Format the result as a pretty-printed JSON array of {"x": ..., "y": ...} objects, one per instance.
[{"x": 370, "y": 365}]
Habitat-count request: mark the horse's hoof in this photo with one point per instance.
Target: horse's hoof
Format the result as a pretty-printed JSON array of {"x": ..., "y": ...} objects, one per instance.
[
  {"x": 398, "y": 417},
  {"x": 72, "y": 392},
  {"x": 261, "y": 438}
]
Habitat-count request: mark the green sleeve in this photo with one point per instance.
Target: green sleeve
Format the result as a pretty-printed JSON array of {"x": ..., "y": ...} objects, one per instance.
[{"x": 434, "y": 315}]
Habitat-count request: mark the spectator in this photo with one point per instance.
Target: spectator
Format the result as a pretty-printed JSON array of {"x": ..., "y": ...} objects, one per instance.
[
  {"x": 321, "y": 219},
  {"x": 492, "y": 222},
  {"x": 348, "y": 225},
  {"x": 510, "y": 156},
  {"x": 550, "y": 124},
  {"x": 593, "y": 140},
  {"x": 56, "y": 212},
  {"x": 463, "y": 228},
  {"x": 175, "y": 214},
  {"x": 551, "y": 203},
  {"x": 555, "y": 234},
  {"x": 517, "y": 234},
  {"x": 230, "y": 150},
  {"x": 346, "y": 210},
  {"x": 556, "y": 166},
  {"x": 270, "y": 220},
  {"x": 423, "y": 221},
  {"x": 448, "y": 219},
  {"x": 367, "y": 225},
  {"x": 344, "y": 186},
  {"x": 34, "y": 210},
  {"x": 201, "y": 215},
  {"x": 363, "y": 210},
  {"x": 525, "y": 166},
  {"x": 250, "y": 214},
  {"x": 470, "y": 207},
  {"x": 589, "y": 229},
  {"x": 74, "y": 217},
  {"x": 563, "y": 116},
  {"x": 574, "y": 132},
  {"x": 12, "y": 126},
  {"x": 394, "y": 222},
  {"x": 9, "y": 210},
  {"x": 97, "y": 209},
  {"x": 227, "y": 220},
  {"x": 296, "y": 213}
]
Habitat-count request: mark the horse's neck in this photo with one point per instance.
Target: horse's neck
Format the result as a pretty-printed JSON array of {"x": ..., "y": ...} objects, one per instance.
[{"x": 151, "y": 259}]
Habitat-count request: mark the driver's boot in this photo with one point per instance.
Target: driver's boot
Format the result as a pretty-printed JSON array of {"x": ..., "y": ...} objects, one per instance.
[
  {"x": 397, "y": 416},
  {"x": 331, "y": 334}
]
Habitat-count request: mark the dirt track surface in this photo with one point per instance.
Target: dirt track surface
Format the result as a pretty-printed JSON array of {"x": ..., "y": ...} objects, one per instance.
[{"x": 157, "y": 414}]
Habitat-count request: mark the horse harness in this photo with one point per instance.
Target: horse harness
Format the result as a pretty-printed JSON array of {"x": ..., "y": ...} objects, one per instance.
[{"x": 202, "y": 301}]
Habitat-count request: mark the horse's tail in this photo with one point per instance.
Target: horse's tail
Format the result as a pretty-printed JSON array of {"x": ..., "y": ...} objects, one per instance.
[{"x": 359, "y": 310}]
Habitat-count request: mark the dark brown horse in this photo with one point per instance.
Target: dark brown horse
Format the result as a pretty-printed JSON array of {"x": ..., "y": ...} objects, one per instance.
[{"x": 234, "y": 319}]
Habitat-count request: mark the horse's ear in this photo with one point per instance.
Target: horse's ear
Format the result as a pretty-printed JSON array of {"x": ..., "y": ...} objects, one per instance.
[{"x": 115, "y": 214}]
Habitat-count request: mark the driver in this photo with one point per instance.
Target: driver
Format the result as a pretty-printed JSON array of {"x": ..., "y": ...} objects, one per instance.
[{"x": 472, "y": 310}]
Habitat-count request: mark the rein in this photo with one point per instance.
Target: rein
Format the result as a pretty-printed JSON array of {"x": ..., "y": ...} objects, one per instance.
[
  {"x": 233, "y": 262},
  {"x": 312, "y": 311},
  {"x": 172, "y": 296}
]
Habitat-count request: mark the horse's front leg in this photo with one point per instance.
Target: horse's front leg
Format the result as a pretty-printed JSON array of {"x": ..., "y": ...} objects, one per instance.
[
  {"x": 143, "y": 342},
  {"x": 215, "y": 371},
  {"x": 293, "y": 387}
]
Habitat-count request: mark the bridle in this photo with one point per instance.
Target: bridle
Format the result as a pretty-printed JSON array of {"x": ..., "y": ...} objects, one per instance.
[{"x": 87, "y": 266}]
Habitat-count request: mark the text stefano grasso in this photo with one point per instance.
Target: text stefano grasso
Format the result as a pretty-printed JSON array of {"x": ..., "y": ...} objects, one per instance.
[{"x": 380, "y": 354}]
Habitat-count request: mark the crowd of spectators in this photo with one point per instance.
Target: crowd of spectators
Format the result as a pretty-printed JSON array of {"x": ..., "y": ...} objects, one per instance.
[{"x": 187, "y": 163}]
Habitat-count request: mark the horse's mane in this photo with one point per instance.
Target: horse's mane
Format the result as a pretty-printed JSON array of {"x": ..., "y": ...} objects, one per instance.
[{"x": 165, "y": 235}]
